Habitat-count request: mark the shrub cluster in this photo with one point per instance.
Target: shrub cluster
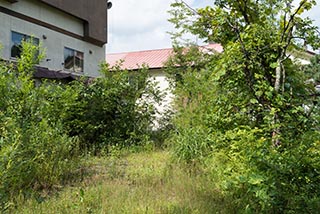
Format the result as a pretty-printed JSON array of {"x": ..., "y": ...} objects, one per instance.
[
  {"x": 44, "y": 128},
  {"x": 116, "y": 109}
]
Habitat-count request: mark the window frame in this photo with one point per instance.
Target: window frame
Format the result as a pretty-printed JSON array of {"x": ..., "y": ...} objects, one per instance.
[
  {"x": 76, "y": 55},
  {"x": 24, "y": 37}
]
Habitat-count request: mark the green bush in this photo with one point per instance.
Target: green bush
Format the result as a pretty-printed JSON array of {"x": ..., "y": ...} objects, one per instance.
[
  {"x": 36, "y": 152},
  {"x": 263, "y": 179},
  {"x": 34, "y": 159},
  {"x": 115, "y": 109}
]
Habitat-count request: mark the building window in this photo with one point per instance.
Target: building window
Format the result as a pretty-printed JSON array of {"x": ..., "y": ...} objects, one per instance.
[
  {"x": 16, "y": 43},
  {"x": 73, "y": 60}
]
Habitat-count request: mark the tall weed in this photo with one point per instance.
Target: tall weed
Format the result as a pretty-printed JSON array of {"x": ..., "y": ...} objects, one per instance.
[{"x": 35, "y": 150}]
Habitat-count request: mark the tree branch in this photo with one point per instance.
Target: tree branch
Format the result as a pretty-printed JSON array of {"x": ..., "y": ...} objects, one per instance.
[
  {"x": 292, "y": 19},
  {"x": 195, "y": 12}
]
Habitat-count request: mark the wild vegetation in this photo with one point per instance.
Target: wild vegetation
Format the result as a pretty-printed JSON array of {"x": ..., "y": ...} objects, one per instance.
[
  {"x": 144, "y": 182},
  {"x": 250, "y": 114},
  {"x": 244, "y": 139},
  {"x": 46, "y": 128},
  {"x": 110, "y": 110}
]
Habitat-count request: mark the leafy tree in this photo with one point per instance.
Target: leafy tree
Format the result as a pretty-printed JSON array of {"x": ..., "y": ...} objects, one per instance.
[{"x": 252, "y": 104}]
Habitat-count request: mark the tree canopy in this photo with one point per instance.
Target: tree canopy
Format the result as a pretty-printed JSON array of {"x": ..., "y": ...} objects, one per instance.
[{"x": 252, "y": 105}]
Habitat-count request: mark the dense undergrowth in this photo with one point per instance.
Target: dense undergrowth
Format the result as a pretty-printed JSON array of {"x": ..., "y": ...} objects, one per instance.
[
  {"x": 46, "y": 128},
  {"x": 245, "y": 133},
  {"x": 250, "y": 114}
]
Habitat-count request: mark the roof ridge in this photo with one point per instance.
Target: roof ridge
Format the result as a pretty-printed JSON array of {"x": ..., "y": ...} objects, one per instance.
[
  {"x": 150, "y": 50},
  {"x": 160, "y": 49}
]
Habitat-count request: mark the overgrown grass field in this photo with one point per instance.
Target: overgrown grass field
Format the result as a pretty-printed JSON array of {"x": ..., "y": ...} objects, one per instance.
[{"x": 145, "y": 182}]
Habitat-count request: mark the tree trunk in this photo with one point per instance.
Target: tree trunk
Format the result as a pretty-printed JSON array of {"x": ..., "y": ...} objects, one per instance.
[{"x": 276, "y": 131}]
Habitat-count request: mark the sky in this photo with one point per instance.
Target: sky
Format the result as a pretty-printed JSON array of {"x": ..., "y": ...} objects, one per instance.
[{"x": 135, "y": 25}]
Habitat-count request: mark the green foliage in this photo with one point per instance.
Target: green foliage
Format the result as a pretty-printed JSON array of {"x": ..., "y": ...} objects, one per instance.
[
  {"x": 36, "y": 158},
  {"x": 116, "y": 109},
  {"x": 250, "y": 114},
  {"x": 36, "y": 152},
  {"x": 45, "y": 127},
  {"x": 272, "y": 179},
  {"x": 312, "y": 70}
]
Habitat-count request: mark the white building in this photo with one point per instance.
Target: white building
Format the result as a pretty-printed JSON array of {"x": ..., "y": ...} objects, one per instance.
[
  {"x": 73, "y": 32},
  {"x": 155, "y": 60}
]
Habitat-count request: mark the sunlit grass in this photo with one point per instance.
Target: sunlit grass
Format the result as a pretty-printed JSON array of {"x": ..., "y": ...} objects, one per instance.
[{"x": 137, "y": 183}]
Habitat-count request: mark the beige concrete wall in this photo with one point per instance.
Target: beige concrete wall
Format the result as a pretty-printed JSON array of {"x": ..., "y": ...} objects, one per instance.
[{"x": 54, "y": 42}]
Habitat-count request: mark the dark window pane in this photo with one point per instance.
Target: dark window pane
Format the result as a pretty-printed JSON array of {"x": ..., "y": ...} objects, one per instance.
[
  {"x": 34, "y": 41},
  {"x": 16, "y": 40},
  {"x": 68, "y": 58},
  {"x": 16, "y": 51}
]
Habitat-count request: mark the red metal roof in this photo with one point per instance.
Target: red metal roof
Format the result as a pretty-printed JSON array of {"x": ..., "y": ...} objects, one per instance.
[{"x": 152, "y": 58}]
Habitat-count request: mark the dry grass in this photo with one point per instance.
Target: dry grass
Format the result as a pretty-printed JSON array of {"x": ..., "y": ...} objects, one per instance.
[{"x": 137, "y": 183}]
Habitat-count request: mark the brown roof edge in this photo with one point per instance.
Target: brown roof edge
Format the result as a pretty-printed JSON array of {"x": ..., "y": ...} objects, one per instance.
[
  {"x": 45, "y": 73},
  {"x": 12, "y": 1}
]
